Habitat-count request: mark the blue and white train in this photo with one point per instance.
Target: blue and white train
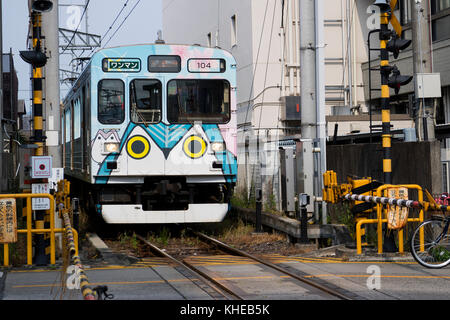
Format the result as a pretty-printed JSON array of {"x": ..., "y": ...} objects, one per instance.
[{"x": 149, "y": 134}]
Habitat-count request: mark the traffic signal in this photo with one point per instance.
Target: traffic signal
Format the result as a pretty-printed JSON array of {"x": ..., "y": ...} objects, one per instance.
[{"x": 397, "y": 80}]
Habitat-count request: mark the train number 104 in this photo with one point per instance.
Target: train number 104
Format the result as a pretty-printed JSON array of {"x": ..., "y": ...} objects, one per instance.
[{"x": 204, "y": 65}]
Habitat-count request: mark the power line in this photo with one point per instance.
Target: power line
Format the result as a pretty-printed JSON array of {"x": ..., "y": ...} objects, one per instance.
[
  {"x": 121, "y": 23},
  {"x": 112, "y": 24},
  {"x": 79, "y": 23}
]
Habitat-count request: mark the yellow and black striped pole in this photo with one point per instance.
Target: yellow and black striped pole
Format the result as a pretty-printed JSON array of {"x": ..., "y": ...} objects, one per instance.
[
  {"x": 41, "y": 258},
  {"x": 385, "y": 70}
]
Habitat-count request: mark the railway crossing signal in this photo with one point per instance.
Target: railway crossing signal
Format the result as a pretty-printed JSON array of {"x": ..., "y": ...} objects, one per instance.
[
  {"x": 397, "y": 80},
  {"x": 395, "y": 45},
  {"x": 38, "y": 60},
  {"x": 389, "y": 42}
]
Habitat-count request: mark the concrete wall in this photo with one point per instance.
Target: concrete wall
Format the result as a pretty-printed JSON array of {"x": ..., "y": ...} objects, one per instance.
[{"x": 412, "y": 163}]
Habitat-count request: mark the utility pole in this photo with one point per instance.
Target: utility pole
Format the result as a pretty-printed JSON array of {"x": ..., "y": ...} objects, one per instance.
[
  {"x": 308, "y": 94},
  {"x": 422, "y": 60},
  {"x": 51, "y": 84},
  {"x": 320, "y": 100}
]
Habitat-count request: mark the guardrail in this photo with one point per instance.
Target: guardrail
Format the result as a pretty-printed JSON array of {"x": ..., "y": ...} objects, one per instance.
[{"x": 29, "y": 231}]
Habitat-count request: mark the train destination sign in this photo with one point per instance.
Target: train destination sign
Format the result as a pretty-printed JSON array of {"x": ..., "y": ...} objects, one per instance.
[
  {"x": 121, "y": 65},
  {"x": 8, "y": 221},
  {"x": 206, "y": 65}
]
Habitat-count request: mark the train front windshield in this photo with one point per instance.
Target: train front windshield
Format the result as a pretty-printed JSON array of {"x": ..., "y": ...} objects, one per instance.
[{"x": 198, "y": 100}]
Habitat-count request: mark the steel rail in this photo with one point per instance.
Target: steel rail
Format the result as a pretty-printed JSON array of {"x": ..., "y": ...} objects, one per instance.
[
  {"x": 203, "y": 276},
  {"x": 238, "y": 252}
]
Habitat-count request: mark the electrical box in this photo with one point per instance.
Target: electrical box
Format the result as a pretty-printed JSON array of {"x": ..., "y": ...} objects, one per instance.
[
  {"x": 428, "y": 85},
  {"x": 288, "y": 178},
  {"x": 290, "y": 108}
]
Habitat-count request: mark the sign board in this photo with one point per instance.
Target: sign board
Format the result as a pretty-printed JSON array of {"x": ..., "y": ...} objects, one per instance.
[
  {"x": 121, "y": 65},
  {"x": 206, "y": 65},
  {"x": 40, "y": 203},
  {"x": 57, "y": 175},
  {"x": 397, "y": 216},
  {"x": 8, "y": 221},
  {"x": 41, "y": 167},
  {"x": 394, "y": 21}
]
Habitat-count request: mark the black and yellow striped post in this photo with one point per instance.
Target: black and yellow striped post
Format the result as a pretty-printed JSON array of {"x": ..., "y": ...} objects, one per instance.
[
  {"x": 385, "y": 71},
  {"x": 41, "y": 248}
]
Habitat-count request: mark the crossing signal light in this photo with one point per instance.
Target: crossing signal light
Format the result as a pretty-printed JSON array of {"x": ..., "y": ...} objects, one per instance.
[
  {"x": 396, "y": 45},
  {"x": 383, "y": 4},
  {"x": 397, "y": 80},
  {"x": 42, "y": 5},
  {"x": 36, "y": 58}
]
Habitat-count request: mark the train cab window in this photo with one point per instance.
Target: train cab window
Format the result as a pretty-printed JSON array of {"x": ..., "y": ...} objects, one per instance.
[
  {"x": 145, "y": 101},
  {"x": 111, "y": 101},
  {"x": 198, "y": 100}
]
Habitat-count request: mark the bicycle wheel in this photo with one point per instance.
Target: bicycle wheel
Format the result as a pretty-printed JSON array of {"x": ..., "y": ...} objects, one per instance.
[{"x": 434, "y": 249}]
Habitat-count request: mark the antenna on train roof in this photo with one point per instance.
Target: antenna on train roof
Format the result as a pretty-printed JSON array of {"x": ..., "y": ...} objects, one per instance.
[{"x": 160, "y": 39}]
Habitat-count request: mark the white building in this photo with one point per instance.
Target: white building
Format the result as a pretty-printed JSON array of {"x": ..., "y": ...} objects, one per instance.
[{"x": 263, "y": 37}]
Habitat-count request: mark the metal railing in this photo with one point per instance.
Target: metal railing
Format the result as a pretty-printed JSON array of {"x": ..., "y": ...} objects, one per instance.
[{"x": 29, "y": 231}]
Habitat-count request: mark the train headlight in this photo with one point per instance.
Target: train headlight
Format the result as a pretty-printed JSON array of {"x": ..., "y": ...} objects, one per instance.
[
  {"x": 110, "y": 147},
  {"x": 218, "y": 146}
]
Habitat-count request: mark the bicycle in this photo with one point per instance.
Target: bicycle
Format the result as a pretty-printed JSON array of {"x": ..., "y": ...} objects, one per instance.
[{"x": 430, "y": 243}]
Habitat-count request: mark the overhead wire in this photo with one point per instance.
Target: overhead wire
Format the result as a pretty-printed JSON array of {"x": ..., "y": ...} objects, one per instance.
[
  {"x": 118, "y": 28},
  {"x": 112, "y": 24}
]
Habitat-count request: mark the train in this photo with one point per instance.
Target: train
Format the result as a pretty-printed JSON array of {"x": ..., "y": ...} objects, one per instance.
[{"x": 149, "y": 134}]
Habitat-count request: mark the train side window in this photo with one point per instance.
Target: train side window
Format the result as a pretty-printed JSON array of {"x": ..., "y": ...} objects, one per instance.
[
  {"x": 76, "y": 119},
  {"x": 145, "y": 101},
  {"x": 111, "y": 101},
  {"x": 67, "y": 118}
]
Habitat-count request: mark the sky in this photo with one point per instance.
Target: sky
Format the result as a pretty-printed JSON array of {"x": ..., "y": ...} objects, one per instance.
[{"x": 140, "y": 27}]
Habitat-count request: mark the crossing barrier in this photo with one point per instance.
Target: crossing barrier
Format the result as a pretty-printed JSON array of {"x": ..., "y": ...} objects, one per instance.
[{"x": 334, "y": 192}]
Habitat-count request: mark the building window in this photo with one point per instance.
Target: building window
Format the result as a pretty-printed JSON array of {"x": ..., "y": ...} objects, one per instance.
[
  {"x": 439, "y": 5},
  {"x": 233, "y": 31}
]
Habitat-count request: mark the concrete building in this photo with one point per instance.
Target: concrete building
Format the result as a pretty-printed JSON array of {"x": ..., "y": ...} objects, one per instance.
[{"x": 263, "y": 36}]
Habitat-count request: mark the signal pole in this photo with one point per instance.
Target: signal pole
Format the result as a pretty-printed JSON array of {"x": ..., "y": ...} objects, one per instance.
[
  {"x": 385, "y": 70},
  {"x": 38, "y": 59},
  {"x": 40, "y": 256}
]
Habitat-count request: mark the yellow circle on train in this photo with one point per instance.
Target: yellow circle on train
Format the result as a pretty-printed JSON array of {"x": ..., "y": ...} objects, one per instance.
[
  {"x": 138, "y": 147},
  {"x": 194, "y": 147}
]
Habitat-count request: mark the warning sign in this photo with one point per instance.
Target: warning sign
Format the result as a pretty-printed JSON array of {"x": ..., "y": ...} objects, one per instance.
[
  {"x": 40, "y": 203},
  {"x": 8, "y": 221},
  {"x": 396, "y": 216},
  {"x": 41, "y": 167}
]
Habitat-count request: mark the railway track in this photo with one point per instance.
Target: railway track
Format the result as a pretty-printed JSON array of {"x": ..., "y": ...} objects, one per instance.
[{"x": 226, "y": 291}]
